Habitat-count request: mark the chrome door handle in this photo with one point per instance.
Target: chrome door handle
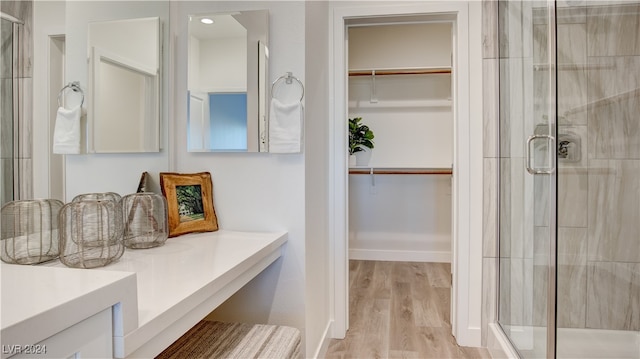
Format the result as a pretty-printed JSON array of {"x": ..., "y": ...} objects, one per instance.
[{"x": 552, "y": 154}]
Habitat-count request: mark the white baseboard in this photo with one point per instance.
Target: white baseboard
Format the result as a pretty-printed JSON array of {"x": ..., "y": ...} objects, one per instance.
[
  {"x": 321, "y": 350},
  {"x": 399, "y": 255}
]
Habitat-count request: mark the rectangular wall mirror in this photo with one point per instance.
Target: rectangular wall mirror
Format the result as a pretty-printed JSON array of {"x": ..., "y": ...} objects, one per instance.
[
  {"x": 227, "y": 82},
  {"x": 124, "y": 86}
]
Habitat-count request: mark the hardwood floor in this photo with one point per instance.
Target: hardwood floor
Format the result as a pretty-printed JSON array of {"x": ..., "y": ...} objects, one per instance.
[{"x": 400, "y": 310}]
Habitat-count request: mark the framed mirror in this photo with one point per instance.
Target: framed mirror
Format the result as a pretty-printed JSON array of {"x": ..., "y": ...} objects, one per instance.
[
  {"x": 227, "y": 82},
  {"x": 124, "y": 86}
]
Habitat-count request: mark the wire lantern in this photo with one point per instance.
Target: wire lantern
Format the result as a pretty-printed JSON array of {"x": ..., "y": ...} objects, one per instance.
[
  {"x": 145, "y": 220},
  {"x": 29, "y": 232},
  {"x": 91, "y": 233}
]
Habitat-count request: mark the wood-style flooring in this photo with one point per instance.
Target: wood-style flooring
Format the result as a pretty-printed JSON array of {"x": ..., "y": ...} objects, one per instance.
[{"x": 400, "y": 310}]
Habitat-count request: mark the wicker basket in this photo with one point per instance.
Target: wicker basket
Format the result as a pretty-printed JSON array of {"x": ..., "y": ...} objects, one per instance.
[
  {"x": 91, "y": 233},
  {"x": 145, "y": 220},
  {"x": 30, "y": 231}
]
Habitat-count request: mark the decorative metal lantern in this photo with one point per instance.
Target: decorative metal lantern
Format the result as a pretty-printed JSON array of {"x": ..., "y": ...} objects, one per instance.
[
  {"x": 106, "y": 196},
  {"x": 145, "y": 220},
  {"x": 30, "y": 231},
  {"x": 91, "y": 233}
]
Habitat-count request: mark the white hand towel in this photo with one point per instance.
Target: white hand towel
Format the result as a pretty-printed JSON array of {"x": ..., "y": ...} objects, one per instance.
[
  {"x": 66, "y": 134},
  {"x": 285, "y": 127}
]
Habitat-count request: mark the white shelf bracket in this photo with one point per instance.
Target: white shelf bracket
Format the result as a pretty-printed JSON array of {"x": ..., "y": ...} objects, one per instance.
[
  {"x": 374, "y": 96},
  {"x": 373, "y": 177}
]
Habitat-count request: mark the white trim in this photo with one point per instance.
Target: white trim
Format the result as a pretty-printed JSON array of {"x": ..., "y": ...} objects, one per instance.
[
  {"x": 399, "y": 256},
  {"x": 322, "y": 348},
  {"x": 466, "y": 303}
]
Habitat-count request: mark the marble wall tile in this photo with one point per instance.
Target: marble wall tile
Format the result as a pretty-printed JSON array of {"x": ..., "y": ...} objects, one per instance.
[
  {"x": 541, "y": 285},
  {"x": 6, "y": 176},
  {"x": 517, "y": 209},
  {"x": 504, "y": 292},
  {"x": 614, "y": 210},
  {"x": 6, "y": 118},
  {"x": 490, "y": 208},
  {"x": 6, "y": 55},
  {"x": 614, "y": 125},
  {"x": 22, "y": 10},
  {"x": 572, "y": 75},
  {"x": 490, "y": 105},
  {"x": 489, "y": 29},
  {"x": 571, "y": 277},
  {"x": 489, "y": 295},
  {"x": 515, "y": 109},
  {"x": 25, "y": 117},
  {"x": 541, "y": 201},
  {"x": 572, "y": 197},
  {"x": 613, "y": 296},
  {"x": 504, "y": 211},
  {"x": 614, "y": 30},
  {"x": 25, "y": 170},
  {"x": 570, "y": 13}
]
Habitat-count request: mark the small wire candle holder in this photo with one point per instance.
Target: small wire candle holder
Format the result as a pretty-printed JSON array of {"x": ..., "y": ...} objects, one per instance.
[
  {"x": 91, "y": 233},
  {"x": 145, "y": 220},
  {"x": 105, "y": 196},
  {"x": 29, "y": 232}
]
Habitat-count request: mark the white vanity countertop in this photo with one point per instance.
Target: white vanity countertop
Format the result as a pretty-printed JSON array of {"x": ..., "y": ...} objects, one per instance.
[
  {"x": 177, "y": 283},
  {"x": 39, "y": 301}
]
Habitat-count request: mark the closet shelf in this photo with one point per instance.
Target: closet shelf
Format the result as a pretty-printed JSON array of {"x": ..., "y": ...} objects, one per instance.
[
  {"x": 401, "y": 104},
  {"x": 401, "y": 71},
  {"x": 400, "y": 171}
]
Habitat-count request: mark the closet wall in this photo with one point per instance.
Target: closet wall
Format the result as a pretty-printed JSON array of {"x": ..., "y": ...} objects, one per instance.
[{"x": 402, "y": 216}]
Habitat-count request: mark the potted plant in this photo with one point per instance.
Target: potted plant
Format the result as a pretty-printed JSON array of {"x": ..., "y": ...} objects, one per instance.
[{"x": 360, "y": 137}]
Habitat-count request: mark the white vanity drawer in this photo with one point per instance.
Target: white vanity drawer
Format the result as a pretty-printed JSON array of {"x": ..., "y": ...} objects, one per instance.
[{"x": 91, "y": 338}]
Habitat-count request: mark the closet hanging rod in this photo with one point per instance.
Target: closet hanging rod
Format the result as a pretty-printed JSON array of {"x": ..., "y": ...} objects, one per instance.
[
  {"x": 401, "y": 171},
  {"x": 409, "y": 71}
]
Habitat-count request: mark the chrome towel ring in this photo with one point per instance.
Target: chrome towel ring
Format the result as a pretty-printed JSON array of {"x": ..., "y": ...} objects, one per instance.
[
  {"x": 75, "y": 86},
  {"x": 288, "y": 79}
]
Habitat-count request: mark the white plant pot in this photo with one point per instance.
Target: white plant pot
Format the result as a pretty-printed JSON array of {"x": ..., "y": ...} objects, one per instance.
[
  {"x": 352, "y": 160},
  {"x": 363, "y": 157}
]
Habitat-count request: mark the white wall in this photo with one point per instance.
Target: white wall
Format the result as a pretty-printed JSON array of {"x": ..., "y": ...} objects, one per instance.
[
  {"x": 111, "y": 172},
  {"x": 260, "y": 191},
  {"x": 48, "y": 20},
  {"x": 317, "y": 258}
]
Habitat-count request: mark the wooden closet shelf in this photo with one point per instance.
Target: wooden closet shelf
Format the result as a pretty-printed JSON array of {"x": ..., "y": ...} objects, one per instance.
[
  {"x": 400, "y": 171},
  {"x": 415, "y": 71}
]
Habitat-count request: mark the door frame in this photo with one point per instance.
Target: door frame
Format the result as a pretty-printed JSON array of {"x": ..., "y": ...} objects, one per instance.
[{"x": 466, "y": 194}]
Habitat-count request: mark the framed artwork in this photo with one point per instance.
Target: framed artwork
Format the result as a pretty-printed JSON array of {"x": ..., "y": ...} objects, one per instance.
[{"x": 189, "y": 202}]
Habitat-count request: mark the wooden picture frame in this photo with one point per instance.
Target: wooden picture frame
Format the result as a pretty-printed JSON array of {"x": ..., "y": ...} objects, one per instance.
[{"x": 189, "y": 202}]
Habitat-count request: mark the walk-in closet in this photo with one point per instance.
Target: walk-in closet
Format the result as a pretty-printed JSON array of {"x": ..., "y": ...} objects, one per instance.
[{"x": 400, "y": 84}]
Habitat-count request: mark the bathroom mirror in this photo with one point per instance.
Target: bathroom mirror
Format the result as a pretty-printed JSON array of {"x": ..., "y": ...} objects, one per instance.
[
  {"x": 227, "y": 82},
  {"x": 124, "y": 86}
]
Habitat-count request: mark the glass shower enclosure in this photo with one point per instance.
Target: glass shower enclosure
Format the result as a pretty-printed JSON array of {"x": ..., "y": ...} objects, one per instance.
[
  {"x": 569, "y": 277},
  {"x": 9, "y": 189}
]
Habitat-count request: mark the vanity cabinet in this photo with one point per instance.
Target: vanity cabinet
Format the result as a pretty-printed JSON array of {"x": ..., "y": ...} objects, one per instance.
[
  {"x": 400, "y": 83},
  {"x": 91, "y": 338}
]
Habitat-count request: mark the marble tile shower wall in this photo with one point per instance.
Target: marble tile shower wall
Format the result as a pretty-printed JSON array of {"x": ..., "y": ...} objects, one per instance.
[
  {"x": 598, "y": 195},
  {"x": 22, "y": 89}
]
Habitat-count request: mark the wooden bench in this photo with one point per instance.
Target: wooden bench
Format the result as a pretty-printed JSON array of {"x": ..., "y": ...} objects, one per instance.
[{"x": 209, "y": 339}]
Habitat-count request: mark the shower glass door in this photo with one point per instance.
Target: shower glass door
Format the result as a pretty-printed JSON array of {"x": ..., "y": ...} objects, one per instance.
[
  {"x": 6, "y": 113},
  {"x": 527, "y": 176}
]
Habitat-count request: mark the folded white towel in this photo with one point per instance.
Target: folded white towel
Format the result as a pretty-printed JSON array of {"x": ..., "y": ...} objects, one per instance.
[
  {"x": 66, "y": 134},
  {"x": 285, "y": 127}
]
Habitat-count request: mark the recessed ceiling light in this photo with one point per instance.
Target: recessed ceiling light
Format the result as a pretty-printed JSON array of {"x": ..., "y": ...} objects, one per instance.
[{"x": 206, "y": 20}]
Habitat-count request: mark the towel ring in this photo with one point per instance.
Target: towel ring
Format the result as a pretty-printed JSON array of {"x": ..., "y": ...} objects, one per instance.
[
  {"x": 288, "y": 80},
  {"x": 75, "y": 86}
]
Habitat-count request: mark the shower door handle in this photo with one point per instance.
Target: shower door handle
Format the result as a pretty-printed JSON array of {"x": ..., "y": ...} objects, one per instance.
[{"x": 552, "y": 154}]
